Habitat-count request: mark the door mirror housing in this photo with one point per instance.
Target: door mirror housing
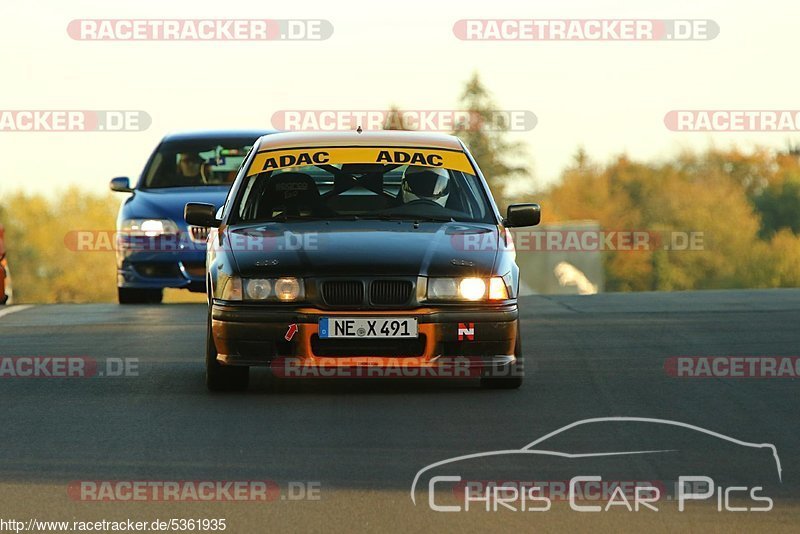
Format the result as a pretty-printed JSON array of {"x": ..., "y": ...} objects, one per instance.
[
  {"x": 519, "y": 215},
  {"x": 201, "y": 214},
  {"x": 121, "y": 184}
]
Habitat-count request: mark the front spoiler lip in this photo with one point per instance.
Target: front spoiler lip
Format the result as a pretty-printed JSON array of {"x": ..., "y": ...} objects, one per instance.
[
  {"x": 484, "y": 362},
  {"x": 129, "y": 277}
]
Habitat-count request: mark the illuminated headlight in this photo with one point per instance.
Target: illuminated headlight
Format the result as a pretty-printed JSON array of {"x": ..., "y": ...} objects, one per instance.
[
  {"x": 288, "y": 289},
  {"x": 280, "y": 289},
  {"x": 149, "y": 227},
  {"x": 472, "y": 288},
  {"x": 467, "y": 289},
  {"x": 497, "y": 289}
]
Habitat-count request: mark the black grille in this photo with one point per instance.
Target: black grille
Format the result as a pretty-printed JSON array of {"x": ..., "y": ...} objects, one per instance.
[
  {"x": 398, "y": 348},
  {"x": 390, "y": 292},
  {"x": 343, "y": 292},
  {"x": 158, "y": 270},
  {"x": 195, "y": 269},
  {"x": 198, "y": 233}
]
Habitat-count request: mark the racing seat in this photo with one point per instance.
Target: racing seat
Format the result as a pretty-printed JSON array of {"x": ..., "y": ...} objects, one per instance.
[
  {"x": 370, "y": 178},
  {"x": 292, "y": 193}
]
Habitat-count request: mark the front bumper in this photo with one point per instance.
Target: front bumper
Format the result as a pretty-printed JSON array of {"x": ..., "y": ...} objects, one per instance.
[
  {"x": 256, "y": 335},
  {"x": 160, "y": 269}
]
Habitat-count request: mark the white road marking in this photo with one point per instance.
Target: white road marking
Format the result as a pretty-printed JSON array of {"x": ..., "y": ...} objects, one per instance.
[{"x": 12, "y": 309}]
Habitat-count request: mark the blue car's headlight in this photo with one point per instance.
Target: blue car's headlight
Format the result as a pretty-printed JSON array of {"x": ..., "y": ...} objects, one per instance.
[{"x": 148, "y": 227}]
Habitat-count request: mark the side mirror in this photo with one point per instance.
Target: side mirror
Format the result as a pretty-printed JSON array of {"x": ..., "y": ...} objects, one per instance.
[
  {"x": 120, "y": 185},
  {"x": 523, "y": 215},
  {"x": 200, "y": 214}
]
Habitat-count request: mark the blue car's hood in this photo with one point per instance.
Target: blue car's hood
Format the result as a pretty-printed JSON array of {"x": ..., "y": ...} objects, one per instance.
[{"x": 169, "y": 202}]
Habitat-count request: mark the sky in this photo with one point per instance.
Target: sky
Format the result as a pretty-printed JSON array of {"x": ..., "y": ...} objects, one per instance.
[{"x": 607, "y": 97}]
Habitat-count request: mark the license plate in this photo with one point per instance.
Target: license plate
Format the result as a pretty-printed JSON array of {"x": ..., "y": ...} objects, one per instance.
[{"x": 367, "y": 327}]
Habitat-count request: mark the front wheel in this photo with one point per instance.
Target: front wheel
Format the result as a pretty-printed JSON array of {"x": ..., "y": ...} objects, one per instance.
[
  {"x": 223, "y": 377},
  {"x": 131, "y": 295},
  {"x": 513, "y": 379}
]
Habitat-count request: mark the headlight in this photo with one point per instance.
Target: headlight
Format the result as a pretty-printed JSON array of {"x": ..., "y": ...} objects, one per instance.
[
  {"x": 443, "y": 288},
  {"x": 467, "y": 289},
  {"x": 497, "y": 289},
  {"x": 472, "y": 288},
  {"x": 280, "y": 289},
  {"x": 258, "y": 289},
  {"x": 232, "y": 288},
  {"x": 149, "y": 227},
  {"x": 287, "y": 289}
]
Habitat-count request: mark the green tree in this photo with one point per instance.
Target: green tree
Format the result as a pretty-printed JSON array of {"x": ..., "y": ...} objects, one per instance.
[
  {"x": 485, "y": 135},
  {"x": 779, "y": 207}
]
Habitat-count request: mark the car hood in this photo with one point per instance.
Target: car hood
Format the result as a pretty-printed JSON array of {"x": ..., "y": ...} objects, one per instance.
[
  {"x": 362, "y": 248},
  {"x": 170, "y": 202}
]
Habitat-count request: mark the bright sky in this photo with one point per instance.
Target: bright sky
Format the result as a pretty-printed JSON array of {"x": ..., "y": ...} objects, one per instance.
[{"x": 609, "y": 97}]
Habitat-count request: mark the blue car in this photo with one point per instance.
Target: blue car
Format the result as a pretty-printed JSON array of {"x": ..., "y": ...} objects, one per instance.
[{"x": 155, "y": 246}]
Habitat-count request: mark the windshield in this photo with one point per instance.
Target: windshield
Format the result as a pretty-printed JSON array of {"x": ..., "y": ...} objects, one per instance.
[
  {"x": 196, "y": 163},
  {"x": 333, "y": 190}
]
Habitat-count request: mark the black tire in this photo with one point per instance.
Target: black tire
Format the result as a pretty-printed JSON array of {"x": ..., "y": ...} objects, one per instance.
[
  {"x": 513, "y": 379},
  {"x": 223, "y": 377},
  {"x": 127, "y": 295}
]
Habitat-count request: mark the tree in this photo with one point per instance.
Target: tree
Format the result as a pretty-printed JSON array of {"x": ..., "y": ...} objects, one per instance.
[
  {"x": 44, "y": 267},
  {"x": 669, "y": 200},
  {"x": 394, "y": 119},
  {"x": 485, "y": 135},
  {"x": 779, "y": 206}
]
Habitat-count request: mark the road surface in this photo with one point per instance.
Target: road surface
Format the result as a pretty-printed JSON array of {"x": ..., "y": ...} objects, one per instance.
[{"x": 357, "y": 445}]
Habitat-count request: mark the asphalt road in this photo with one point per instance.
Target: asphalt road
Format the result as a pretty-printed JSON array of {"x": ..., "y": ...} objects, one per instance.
[{"x": 360, "y": 443}]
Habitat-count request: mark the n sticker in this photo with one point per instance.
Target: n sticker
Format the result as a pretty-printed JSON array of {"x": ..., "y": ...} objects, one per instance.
[{"x": 466, "y": 331}]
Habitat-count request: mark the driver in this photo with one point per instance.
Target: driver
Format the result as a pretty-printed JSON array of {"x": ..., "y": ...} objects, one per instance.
[
  {"x": 425, "y": 183},
  {"x": 189, "y": 167}
]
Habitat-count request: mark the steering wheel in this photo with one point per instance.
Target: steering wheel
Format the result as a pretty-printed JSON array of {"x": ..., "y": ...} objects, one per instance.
[
  {"x": 206, "y": 173},
  {"x": 425, "y": 201}
]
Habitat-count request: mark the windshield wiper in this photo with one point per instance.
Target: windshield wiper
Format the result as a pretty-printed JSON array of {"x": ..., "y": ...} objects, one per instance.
[
  {"x": 283, "y": 217},
  {"x": 410, "y": 218}
]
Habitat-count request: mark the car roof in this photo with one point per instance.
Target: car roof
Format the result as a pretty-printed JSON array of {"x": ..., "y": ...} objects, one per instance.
[
  {"x": 199, "y": 135},
  {"x": 365, "y": 138}
]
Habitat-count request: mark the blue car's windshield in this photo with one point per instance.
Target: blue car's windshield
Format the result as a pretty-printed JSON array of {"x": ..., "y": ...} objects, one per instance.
[{"x": 196, "y": 163}]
